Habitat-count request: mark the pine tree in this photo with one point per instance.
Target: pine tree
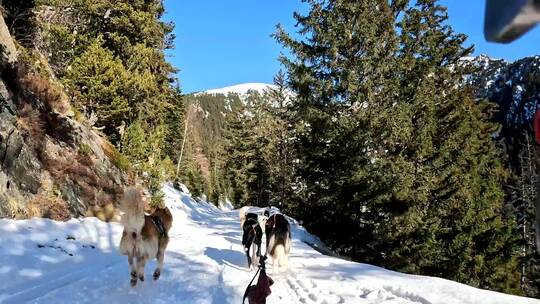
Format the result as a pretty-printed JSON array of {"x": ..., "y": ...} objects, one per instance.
[
  {"x": 278, "y": 154},
  {"x": 190, "y": 172},
  {"x": 113, "y": 65},
  {"x": 194, "y": 179},
  {"x": 174, "y": 122},
  {"x": 523, "y": 198},
  {"x": 246, "y": 170},
  {"x": 394, "y": 154},
  {"x": 346, "y": 52},
  {"x": 99, "y": 84}
]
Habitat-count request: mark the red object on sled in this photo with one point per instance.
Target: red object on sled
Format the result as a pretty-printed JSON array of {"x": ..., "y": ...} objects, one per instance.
[
  {"x": 536, "y": 126},
  {"x": 262, "y": 289},
  {"x": 257, "y": 294}
]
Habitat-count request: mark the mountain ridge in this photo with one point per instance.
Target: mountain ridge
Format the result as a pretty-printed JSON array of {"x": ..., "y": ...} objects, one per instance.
[{"x": 240, "y": 89}]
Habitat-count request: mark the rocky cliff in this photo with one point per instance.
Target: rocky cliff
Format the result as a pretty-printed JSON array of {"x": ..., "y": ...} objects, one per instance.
[{"x": 52, "y": 163}]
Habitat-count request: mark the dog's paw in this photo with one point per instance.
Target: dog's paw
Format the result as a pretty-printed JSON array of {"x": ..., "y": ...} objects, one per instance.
[
  {"x": 133, "y": 282},
  {"x": 133, "y": 275},
  {"x": 157, "y": 273},
  {"x": 141, "y": 277}
]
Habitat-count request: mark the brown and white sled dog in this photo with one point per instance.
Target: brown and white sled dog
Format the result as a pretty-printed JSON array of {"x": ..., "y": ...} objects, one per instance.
[
  {"x": 278, "y": 240},
  {"x": 145, "y": 236}
]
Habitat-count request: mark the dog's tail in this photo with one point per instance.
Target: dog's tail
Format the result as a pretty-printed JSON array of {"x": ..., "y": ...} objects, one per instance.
[
  {"x": 242, "y": 214},
  {"x": 280, "y": 258},
  {"x": 132, "y": 204}
]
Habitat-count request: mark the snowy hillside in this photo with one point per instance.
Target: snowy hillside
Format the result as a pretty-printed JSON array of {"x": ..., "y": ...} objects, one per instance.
[
  {"x": 513, "y": 86},
  {"x": 76, "y": 262},
  {"x": 241, "y": 89}
]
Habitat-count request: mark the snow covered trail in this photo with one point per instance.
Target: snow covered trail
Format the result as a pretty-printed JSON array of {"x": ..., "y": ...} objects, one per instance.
[{"x": 42, "y": 261}]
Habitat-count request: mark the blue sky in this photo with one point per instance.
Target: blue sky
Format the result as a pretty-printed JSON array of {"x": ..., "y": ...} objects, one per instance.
[{"x": 221, "y": 43}]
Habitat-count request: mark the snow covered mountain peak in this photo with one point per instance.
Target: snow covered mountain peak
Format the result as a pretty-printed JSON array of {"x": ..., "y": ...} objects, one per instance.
[{"x": 241, "y": 89}]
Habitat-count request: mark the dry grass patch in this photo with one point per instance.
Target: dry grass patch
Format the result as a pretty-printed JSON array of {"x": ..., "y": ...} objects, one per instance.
[
  {"x": 14, "y": 209},
  {"x": 48, "y": 205},
  {"x": 93, "y": 189},
  {"x": 30, "y": 122},
  {"x": 52, "y": 95}
]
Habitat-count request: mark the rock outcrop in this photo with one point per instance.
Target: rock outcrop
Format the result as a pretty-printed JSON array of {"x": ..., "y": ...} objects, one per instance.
[
  {"x": 9, "y": 46},
  {"x": 51, "y": 164}
]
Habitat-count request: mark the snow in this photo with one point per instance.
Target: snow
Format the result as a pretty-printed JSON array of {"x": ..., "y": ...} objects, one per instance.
[
  {"x": 242, "y": 89},
  {"x": 467, "y": 58},
  {"x": 44, "y": 261},
  {"x": 226, "y": 205}
]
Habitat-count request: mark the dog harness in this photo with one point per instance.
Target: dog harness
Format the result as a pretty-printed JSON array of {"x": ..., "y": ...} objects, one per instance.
[
  {"x": 254, "y": 223},
  {"x": 159, "y": 225},
  {"x": 272, "y": 219}
]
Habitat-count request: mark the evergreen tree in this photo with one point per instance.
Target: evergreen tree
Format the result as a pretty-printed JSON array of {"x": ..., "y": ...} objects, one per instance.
[
  {"x": 194, "y": 180},
  {"x": 394, "y": 154},
  {"x": 174, "y": 122},
  {"x": 113, "y": 65},
  {"x": 523, "y": 195},
  {"x": 278, "y": 153},
  {"x": 190, "y": 172},
  {"x": 99, "y": 84},
  {"x": 245, "y": 167},
  {"x": 215, "y": 187},
  {"x": 346, "y": 52},
  {"x": 206, "y": 121}
]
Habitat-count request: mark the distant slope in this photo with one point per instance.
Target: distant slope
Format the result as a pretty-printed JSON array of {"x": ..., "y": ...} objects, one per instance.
[
  {"x": 207, "y": 115},
  {"x": 513, "y": 86},
  {"x": 77, "y": 262}
]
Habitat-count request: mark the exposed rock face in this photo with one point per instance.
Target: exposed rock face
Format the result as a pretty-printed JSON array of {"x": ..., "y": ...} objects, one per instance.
[
  {"x": 7, "y": 42},
  {"x": 50, "y": 164}
]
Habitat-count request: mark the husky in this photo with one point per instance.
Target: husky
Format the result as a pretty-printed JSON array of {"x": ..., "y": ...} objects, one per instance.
[
  {"x": 262, "y": 218},
  {"x": 145, "y": 236},
  {"x": 278, "y": 240},
  {"x": 251, "y": 237}
]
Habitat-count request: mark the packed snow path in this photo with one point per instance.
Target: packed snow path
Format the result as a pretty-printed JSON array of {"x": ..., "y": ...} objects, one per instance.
[{"x": 43, "y": 261}]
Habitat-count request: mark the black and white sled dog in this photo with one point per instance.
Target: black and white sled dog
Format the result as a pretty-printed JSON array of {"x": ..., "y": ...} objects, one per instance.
[
  {"x": 252, "y": 237},
  {"x": 278, "y": 240}
]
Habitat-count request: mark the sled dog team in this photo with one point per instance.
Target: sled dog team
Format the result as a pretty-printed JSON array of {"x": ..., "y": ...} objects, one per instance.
[
  {"x": 146, "y": 237},
  {"x": 278, "y": 237}
]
